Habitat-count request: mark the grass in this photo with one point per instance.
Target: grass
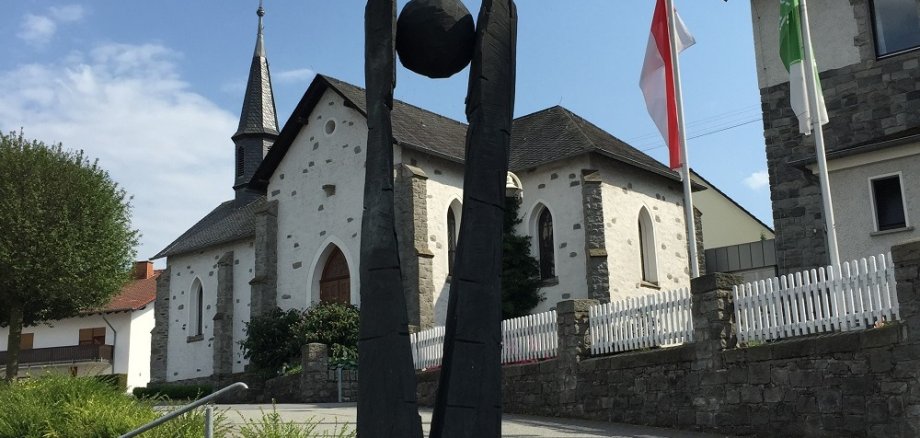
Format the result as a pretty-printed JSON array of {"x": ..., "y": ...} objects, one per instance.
[
  {"x": 270, "y": 425},
  {"x": 56, "y": 406}
]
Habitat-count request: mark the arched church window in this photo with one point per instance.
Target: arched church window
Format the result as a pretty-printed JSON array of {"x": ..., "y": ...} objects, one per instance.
[
  {"x": 451, "y": 239},
  {"x": 335, "y": 284},
  {"x": 545, "y": 244},
  {"x": 647, "y": 255},
  {"x": 196, "y": 309}
]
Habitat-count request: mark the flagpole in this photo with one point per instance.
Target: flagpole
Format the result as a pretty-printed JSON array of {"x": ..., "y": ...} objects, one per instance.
[
  {"x": 689, "y": 217},
  {"x": 813, "y": 98}
]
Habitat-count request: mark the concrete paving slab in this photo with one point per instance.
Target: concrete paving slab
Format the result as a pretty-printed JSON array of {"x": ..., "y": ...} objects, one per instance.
[{"x": 334, "y": 415}]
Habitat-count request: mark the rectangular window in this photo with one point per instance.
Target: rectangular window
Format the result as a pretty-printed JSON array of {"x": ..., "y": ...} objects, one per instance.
[
  {"x": 889, "y": 203},
  {"x": 26, "y": 340},
  {"x": 897, "y": 25},
  {"x": 92, "y": 336}
]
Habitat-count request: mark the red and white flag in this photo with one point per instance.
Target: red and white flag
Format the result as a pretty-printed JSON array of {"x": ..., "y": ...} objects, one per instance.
[{"x": 657, "y": 81}]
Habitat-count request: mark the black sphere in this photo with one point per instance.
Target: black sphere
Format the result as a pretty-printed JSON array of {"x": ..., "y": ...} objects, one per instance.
[{"x": 435, "y": 38}]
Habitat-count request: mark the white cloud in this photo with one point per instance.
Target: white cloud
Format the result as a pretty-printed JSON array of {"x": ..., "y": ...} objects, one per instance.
[
  {"x": 297, "y": 75},
  {"x": 758, "y": 180},
  {"x": 166, "y": 145},
  {"x": 67, "y": 13},
  {"x": 37, "y": 29}
]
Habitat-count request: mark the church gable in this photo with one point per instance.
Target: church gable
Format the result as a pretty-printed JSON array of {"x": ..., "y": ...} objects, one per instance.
[{"x": 319, "y": 186}]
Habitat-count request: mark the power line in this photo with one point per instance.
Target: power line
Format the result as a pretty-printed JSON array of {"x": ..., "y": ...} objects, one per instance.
[{"x": 709, "y": 133}]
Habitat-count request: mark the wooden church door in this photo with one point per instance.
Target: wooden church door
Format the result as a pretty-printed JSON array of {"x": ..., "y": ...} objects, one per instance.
[{"x": 335, "y": 285}]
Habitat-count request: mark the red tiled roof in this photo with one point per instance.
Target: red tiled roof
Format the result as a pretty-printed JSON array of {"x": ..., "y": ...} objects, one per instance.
[{"x": 134, "y": 296}]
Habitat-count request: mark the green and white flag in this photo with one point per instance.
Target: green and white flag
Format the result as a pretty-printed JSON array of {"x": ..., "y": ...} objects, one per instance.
[{"x": 792, "y": 52}]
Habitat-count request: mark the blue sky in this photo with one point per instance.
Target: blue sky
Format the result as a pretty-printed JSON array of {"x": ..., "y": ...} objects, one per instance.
[{"x": 154, "y": 89}]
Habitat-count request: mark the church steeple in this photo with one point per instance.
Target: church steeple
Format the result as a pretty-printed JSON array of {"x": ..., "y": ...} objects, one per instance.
[{"x": 258, "y": 127}]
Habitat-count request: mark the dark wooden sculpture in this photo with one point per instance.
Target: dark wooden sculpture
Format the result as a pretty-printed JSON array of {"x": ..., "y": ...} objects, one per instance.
[
  {"x": 387, "y": 405},
  {"x": 469, "y": 392},
  {"x": 436, "y": 38}
]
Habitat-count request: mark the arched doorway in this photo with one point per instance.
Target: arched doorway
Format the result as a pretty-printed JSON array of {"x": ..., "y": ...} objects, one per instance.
[{"x": 335, "y": 284}]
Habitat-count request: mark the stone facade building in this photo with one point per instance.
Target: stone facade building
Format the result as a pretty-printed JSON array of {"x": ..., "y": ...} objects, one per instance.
[
  {"x": 606, "y": 219},
  {"x": 870, "y": 75}
]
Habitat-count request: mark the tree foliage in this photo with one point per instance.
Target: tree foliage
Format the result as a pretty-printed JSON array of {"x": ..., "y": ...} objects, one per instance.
[
  {"x": 520, "y": 270},
  {"x": 67, "y": 243}
]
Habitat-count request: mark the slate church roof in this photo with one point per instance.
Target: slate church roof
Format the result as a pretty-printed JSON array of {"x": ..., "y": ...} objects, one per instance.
[
  {"x": 229, "y": 222},
  {"x": 540, "y": 138}
]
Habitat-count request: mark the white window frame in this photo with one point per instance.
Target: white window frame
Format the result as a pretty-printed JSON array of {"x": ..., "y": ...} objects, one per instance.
[{"x": 874, "y": 207}]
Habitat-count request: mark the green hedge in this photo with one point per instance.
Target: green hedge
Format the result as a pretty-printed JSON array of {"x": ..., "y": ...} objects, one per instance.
[{"x": 173, "y": 392}]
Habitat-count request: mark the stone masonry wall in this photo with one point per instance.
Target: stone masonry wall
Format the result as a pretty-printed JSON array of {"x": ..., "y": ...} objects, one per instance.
[
  {"x": 412, "y": 232},
  {"x": 160, "y": 338},
  {"x": 264, "y": 291},
  {"x": 862, "y": 383},
  {"x": 596, "y": 269},
  {"x": 865, "y": 101},
  {"x": 223, "y": 318}
]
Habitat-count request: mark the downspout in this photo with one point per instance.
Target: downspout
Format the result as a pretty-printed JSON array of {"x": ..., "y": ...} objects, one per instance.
[{"x": 114, "y": 341}]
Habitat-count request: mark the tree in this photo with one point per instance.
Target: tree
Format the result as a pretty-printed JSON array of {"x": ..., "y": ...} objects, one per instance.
[
  {"x": 520, "y": 270},
  {"x": 67, "y": 243}
]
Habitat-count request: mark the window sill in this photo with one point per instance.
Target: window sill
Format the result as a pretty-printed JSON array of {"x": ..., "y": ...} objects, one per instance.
[
  {"x": 553, "y": 281},
  {"x": 892, "y": 231},
  {"x": 195, "y": 338},
  {"x": 649, "y": 285}
]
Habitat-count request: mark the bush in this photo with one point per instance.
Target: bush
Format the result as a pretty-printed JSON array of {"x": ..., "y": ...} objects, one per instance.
[
  {"x": 173, "y": 392},
  {"x": 273, "y": 341},
  {"x": 335, "y": 325},
  {"x": 270, "y": 343},
  {"x": 56, "y": 406}
]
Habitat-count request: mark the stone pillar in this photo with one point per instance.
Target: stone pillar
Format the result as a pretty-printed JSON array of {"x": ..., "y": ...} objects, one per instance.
[
  {"x": 592, "y": 200},
  {"x": 574, "y": 346},
  {"x": 264, "y": 284},
  {"x": 700, "y": 247},
  {"x": 411, "y": 205},
  {"x": 314, "y": 379},
  {"x": 223, "y": 318},
  {"x": 713, "y": 312},
  {"x": 159, "y": 340},
  {"x": 907, "y": 275}
]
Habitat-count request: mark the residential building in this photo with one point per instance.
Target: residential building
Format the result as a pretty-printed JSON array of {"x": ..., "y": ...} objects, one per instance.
[
  {"x": 870, "y": 75},
  {"x": 112, "y": 340}
]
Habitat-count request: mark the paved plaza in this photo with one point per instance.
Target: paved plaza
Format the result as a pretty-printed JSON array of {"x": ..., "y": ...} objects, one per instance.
[{"x": 517, "y": 426}]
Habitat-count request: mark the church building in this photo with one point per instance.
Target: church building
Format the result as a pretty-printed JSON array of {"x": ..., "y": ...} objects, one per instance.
[{"x": 606, "y": 220}]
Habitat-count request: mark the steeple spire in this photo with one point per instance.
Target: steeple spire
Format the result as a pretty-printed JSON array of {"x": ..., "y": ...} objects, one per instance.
[{"x": 258, "y": 126}]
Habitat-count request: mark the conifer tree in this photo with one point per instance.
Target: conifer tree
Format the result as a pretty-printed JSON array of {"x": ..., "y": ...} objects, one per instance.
[{"x": 520, "y": 270}]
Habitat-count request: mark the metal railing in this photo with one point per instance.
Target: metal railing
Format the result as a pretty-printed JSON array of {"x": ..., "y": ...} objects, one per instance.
[
  {"x": 208, "y": 413},
  {"x": 66, "y": 354}
]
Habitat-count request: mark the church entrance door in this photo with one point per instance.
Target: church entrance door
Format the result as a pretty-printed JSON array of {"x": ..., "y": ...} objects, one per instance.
[{"x": 335, "y": 285}]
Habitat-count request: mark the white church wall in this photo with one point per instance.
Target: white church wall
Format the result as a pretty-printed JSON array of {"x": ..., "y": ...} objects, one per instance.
[
  {"x": 626, "y": 190},
  {"x": 190, "y": 359},
  {"x": 444, "y": 191},
  {"x": 558, "y": 187},
  {"x": 319, "y": 186}
]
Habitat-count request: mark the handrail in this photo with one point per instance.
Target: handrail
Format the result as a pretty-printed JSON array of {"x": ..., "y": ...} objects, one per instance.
[{"x": 184, "y": 409}]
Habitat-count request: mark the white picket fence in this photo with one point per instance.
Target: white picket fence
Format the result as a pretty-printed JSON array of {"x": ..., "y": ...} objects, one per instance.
[
  {"x": 526, "y": 338},
  {"x": 529, "y": 337},
  {"x": 660, "y": 319},
  {"x": 856, "y": 296},
  {"x": 427, "y": 347}
]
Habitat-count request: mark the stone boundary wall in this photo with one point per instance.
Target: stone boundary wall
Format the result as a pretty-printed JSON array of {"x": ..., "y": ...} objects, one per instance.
[
  {"x": 861, "y": 383},
  {"x": 317, "y": 383}
]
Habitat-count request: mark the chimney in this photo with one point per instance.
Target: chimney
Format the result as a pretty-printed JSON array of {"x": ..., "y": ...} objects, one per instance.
[{"x": 143, "y": 270}]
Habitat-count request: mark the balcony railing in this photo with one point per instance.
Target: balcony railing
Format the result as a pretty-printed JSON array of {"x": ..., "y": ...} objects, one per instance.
[{"x": 68, "y": 354}]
